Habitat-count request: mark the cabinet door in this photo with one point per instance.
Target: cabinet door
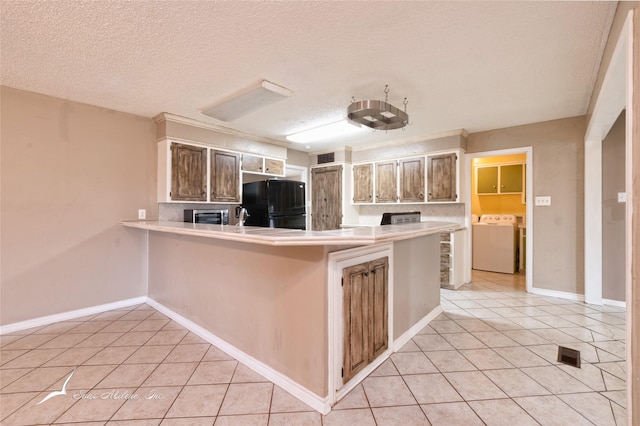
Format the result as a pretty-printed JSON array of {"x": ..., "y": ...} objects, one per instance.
[
  {"x": 251, "y": 163},
  {"x": 386, "y": 182},
  {"x": 225, "y": 176},
  {"x": 273, "y": 167},
  {"x": 355, "y": 306},
  {"x": 487, "y": 180},
  {"x": 363, "y": 183},
  {"x": 326, "y": 198},
  {"x": 188, "y": 173},
  {"x": 441, "y": 176},
  {"x": 378, "y": 303},
  {"x": 412, "y": 180},
  {"x": 511, "y": 179},
  {"x": 365, "y": 313}
]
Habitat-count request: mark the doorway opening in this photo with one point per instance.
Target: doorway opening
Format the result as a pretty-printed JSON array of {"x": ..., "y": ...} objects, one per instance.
[{"x": 500, "y": 189}]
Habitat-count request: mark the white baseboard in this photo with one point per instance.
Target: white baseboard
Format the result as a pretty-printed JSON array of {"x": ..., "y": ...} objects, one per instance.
[
  {"x": 558, "y": 294},
  {"x": 66, "y": 316},
  {"x": 316, "y": 402},
  {"x": 616, "y": 303},
  {"x": 408, "y": 335}
]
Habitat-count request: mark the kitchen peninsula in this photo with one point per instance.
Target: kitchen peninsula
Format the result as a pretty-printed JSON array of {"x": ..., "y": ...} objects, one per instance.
[{"x": 296, "y": 305}]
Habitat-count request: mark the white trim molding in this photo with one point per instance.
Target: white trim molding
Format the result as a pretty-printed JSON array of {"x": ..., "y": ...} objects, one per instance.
[
  {"x": 558, "y": 294},
  {"x": 70, "y": 315}
]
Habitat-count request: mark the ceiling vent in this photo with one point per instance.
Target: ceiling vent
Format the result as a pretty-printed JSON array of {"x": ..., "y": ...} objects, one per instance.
[{"x": 329, "y": 157}]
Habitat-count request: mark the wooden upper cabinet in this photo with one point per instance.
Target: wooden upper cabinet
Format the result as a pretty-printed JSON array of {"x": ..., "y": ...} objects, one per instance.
[
  {"x": 225, "y": 176},
  {"x": 251, "y": 163},
  {"x": 363, "y": 183},
  {"x": 487, "y": 180},
  {"x": 511, "y": 179},
  {"x": 188, "y": 173},
  {"x": 326, "y": 198},
  {"x": 273, "y": 166},
  {"x": 412, "y": 180},
  {"x": 256, "y": 164},
  {"x": 365, "y": 313},
  {"x": 441, "y": 177},
  {"x": 386, "y": 182}
]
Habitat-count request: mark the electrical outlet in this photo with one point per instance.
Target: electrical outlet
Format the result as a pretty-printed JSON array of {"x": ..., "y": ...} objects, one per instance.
[
  {"x": 622, "y": 197},
  {"x": 142, "y": 214},
  {"x": 543, "y": 201}
]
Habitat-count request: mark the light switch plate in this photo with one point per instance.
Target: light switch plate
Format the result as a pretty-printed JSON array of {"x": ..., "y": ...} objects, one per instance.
[
  {"x": 142, "y": 214},
  {"x": 543, "y": 201},
  {"x": 622, "y": 197}
]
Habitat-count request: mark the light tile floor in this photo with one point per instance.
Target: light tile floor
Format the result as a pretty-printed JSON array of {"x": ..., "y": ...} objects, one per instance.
[{"x": 489, "y": 359}]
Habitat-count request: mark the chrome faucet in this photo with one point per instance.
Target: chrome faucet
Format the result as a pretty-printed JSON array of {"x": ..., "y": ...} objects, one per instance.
[{"x": 242, "y": 216}]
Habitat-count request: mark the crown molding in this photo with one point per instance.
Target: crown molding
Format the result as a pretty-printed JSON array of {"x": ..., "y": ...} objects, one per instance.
[
  {"x": 413, "y": 139},
  {"x": 165, "y": 116}
]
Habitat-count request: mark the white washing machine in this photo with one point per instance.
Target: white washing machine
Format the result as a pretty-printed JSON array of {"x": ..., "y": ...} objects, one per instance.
[{"x": 495, "y": 243}]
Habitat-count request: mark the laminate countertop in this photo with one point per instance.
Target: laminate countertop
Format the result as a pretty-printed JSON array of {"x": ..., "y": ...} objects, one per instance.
[{"x": 292, "y": 237}]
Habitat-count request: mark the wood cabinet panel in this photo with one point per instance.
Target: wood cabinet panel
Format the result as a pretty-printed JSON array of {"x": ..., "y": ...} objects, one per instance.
[
  {"x": 363, "y": 183},
  {"x": 273, "y": 166},
  {"x": 500, "y": 179},
  {"x": 379, "y": 305},
  {"x": 188, "y": 173},
  {"x": 326, "y": 198},
  {"x": 412, "y": 180},
  {"x": 225, "y": 176},
  {"x": 251, "y": 163},
  {"x": 441, "y": 177},
  {"x": 487, "y": 180},
  {"x": 365, "y": 313},
  {"x": 386, "y": 182},
  {"x": 511, "y": 178},
  {"x": 356, "y": 327}
]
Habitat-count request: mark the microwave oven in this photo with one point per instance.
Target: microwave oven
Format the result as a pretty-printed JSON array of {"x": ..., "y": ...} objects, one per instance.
[{"x": 218, "y": 217}]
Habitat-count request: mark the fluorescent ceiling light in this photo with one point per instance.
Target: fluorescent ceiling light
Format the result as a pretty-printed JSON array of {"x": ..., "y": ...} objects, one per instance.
[
  {"x": 247, "y": 101},
  {"x": 326, "y": 131}
]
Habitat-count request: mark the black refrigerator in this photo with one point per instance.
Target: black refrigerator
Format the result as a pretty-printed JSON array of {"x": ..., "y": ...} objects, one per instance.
[{"x": 275, "y": 203}]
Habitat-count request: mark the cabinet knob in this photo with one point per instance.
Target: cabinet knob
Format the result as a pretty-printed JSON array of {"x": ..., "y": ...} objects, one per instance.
[
  {"x": 421, "y": 195},
  {"x": 370, "y": 196}
]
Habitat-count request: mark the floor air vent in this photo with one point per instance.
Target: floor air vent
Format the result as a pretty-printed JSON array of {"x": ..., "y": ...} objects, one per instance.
[{"x": 569, "y": 356}]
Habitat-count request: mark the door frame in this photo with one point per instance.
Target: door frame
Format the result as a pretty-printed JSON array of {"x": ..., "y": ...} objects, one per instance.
[
  {"x": 611, "y": 101},
  {"x": 468, "y": 170},
  {"x": 616, "y": 94}
]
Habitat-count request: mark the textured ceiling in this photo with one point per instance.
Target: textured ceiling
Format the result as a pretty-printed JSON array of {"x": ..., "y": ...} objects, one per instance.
[{"x": 462, "y": 65}]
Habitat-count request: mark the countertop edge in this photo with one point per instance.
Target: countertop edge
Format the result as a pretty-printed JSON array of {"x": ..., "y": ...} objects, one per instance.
[{"x": 231, "y": 233}]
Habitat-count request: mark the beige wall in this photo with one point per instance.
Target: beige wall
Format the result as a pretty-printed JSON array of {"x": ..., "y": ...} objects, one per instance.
[
  {"x": 70, "y": 173},
  {"x": 269, "y": 302},
  {"x": 558, "y": 171},
  {"x": 613, "y": 212},
  {"x": 416, "y": 281}
]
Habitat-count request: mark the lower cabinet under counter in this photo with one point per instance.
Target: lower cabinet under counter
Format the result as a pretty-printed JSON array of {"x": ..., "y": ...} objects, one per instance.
[{"x": 280, "y": 309}]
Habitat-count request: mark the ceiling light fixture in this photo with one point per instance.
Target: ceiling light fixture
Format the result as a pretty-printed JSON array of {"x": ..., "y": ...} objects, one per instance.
[
  {"x": 379, "y": 115},
  {"x": 246, "y": 101},
  {"x": 326, "y": 131}
]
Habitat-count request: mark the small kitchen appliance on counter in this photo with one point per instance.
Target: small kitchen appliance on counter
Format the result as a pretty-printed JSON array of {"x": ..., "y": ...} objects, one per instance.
[
  {"x": 397, "y": 218},
  {"x": 218, "y": 217},
  {"x": 275, "y": 203}
]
